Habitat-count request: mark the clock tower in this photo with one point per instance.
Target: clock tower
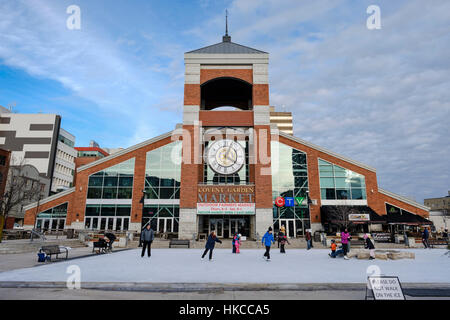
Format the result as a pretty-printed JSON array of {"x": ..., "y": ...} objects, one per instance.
[{"x": 226, "y": 182}]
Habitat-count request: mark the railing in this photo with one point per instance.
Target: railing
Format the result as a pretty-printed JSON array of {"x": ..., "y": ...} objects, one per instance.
[{"x": 39, "y": 234}]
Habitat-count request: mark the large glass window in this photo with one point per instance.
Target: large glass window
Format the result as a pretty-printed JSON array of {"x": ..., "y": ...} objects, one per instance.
[
  {"x": 113, "y": 183},
  {"x": 107, "y": 217},
  {"x": 162, "y": 218},
  {"x": 163, "y": 172},
  {"x": 337, "y": 183},
  {"x": 290, "y": 179},
  {"x": 53, "y": 219}
]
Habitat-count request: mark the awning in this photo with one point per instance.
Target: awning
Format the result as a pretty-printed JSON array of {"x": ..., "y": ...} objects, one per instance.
[
  {"x": 407, "y": 218},
  {"x": 355, "y": 214}
]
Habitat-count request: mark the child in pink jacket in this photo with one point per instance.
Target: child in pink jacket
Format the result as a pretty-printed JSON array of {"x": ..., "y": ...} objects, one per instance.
[{"x": 237, "y": 243}]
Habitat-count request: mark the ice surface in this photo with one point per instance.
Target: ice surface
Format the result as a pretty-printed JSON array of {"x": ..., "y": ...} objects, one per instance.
[{"x": 186, "y": 266}]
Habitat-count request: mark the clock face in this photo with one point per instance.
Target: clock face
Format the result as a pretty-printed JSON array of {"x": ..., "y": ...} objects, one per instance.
[{"x": 225, "y": 157}]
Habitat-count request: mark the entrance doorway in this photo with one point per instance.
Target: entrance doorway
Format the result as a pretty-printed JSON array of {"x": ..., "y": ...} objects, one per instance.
[
  {"x": 289, "y": 225},
  {"x": 51, "y": 224},
  {"x": 217, "y": 226}
]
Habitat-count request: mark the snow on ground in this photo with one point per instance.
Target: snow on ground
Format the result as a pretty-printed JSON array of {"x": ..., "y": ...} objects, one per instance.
[{"x": 185, "y": 266}]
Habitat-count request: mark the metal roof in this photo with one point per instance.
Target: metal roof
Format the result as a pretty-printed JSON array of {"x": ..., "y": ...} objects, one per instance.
[{"x": 227, "y": 47}]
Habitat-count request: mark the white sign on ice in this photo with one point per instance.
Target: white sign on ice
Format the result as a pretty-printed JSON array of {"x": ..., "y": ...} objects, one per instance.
[{"x": 386, "y": 288}]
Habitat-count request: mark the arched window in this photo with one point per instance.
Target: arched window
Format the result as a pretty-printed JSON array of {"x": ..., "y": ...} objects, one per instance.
[{"x": 226, "y": 92}]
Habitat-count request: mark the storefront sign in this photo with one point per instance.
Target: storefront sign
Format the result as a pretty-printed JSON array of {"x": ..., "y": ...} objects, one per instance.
[
  {"x": 226, "y": 194},
  {"x": 385, "y": 288},
  {"x": 289, "y": 201},
  {"x": 359, "y": 217},
  {"x": 226, "y": 208}
]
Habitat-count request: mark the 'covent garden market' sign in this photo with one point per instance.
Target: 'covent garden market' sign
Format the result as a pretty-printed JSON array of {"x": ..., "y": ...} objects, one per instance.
[{"x": 226, "y": 200}]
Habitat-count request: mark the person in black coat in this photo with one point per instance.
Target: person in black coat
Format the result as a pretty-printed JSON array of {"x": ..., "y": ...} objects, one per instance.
[
  {"x": 210, "y": 244},
  {"x": 111, "y": 237},
  {"x": 368, "y": 244}
]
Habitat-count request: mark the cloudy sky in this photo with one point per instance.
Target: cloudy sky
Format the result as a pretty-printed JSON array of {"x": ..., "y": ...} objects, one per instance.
[{"x": 381, "y": 97}]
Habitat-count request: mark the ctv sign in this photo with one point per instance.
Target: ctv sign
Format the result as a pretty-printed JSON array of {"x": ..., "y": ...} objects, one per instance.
[{"x": 289, "y": 201}]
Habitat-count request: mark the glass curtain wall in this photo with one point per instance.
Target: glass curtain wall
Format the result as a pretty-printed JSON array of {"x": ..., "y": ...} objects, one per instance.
[
  {"x": 162, "y": 186},
  {"x": 290, "y": 179},
  {"x": 337, "y": 183},
  {"x": 110, "y": 185},
  {"x": 53, "y": 219}
]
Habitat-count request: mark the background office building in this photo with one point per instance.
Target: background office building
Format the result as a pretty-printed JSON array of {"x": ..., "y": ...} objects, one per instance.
[{"x": 222, "y": 168}]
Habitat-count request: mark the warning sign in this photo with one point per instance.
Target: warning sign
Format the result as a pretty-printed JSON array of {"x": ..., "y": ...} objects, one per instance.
[{"x": 385, "y": 288}]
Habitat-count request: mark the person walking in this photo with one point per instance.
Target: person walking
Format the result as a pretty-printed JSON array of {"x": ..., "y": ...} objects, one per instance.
[
  {"x": 210, "y": 244},
  {"x": 425, "y": 236},
  {"x": 147, "y": 237},
  {"x": 267, "y": 241},
  {"x": 345, "y": 237},
  {"x": 368, "y": 244},
  {"x": 308, "y": 238},
  {"x": 280, "y": 234}
]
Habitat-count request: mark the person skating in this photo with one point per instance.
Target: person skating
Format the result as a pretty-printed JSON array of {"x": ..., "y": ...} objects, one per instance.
[
  {"x": 333, "y": 249},
  {"x": 283, "y": 241},
  {"x": 233, "y": 243},
  {"x": 237, "y": 243},
  {"x": 345, "y": 236},
  {"x": 425, "y": 236},
  {"x": 147, "y": 237},
  {"x": 210, "y": 244},
  {"x": 280, "y": 234},
  {"x": 267, "y": 240},
  {"x": 369, "y": 245}
]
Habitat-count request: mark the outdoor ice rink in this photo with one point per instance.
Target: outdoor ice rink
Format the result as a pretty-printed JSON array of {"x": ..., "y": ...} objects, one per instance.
[{"x": 186, "y": 266}]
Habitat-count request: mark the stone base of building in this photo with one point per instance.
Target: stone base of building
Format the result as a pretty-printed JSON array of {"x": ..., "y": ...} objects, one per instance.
[
  {"x": 188, "y": 224},
  {"x": 263, "y": 220},
  {"x": 135, "y": 226}
]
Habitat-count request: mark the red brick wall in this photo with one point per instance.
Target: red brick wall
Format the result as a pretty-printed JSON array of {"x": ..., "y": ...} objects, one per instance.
[
  {"x": 403, "y": 205},
  {"x": 263, "y": 183},
  {"x": 243, "y": 74},
  {"x": 261, "y": 95},
  {"x": 375, "y": 200},
  {"x": 192, "y": 95},
  {"x": 190, "y": 172},
  {"x": 30, "y": 215},
  {"x": 226, "y": 118}
]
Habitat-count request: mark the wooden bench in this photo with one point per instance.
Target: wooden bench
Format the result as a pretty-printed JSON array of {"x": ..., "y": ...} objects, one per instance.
[
  {"x": 54, "y": 250},
  {"x": 176, "y": 242}
]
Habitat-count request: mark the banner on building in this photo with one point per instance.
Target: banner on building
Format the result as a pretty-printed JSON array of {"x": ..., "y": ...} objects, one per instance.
[{"x": 226, "y": 208}]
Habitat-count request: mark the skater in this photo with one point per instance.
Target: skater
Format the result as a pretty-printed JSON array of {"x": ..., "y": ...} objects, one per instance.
[
  {"x": 308, "y": 240},
  {"x": 233, "y": 243},
  {"x": 237, "y": 243},
  {"x": 333, "y": 249},
  {"x": 425, "y": 236},
  {"x": 281, "y": 234},
  {"x": 147, "y": 237},
  {"x": 283, "y": 240},
  {"x": 267, "y": 240},
  {"x": 345, "y": 237},
  {"x": 369, "y": 245},
  {"x": 210, "y": 244}
]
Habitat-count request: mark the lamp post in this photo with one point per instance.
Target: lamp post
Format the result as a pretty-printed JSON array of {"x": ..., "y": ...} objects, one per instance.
[{"x": 144, "y": 192}]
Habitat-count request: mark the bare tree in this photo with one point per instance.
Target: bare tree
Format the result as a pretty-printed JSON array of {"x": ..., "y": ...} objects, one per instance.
[
  {"x": 339, "y": 216},
  {"x": 19, "y": 189}
]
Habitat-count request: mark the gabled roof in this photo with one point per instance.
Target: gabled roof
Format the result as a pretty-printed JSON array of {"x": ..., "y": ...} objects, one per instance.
[{"x": 226, "y": 47}]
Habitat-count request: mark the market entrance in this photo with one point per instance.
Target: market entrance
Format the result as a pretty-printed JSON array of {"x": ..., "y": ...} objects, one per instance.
[{"x": 224, "y": 226}]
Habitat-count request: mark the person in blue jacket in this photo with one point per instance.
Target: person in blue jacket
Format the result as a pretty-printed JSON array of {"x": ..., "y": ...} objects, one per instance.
[
  {"x": 267, "y": 240},
  {"x": 210, "y": 244}
]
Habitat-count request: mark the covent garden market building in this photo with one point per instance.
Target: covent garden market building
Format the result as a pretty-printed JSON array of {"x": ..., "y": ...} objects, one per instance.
[{"x": 223, "y": 169}]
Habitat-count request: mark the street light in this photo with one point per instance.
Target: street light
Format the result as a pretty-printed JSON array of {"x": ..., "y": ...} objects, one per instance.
[{"x": 144, "y": 192}]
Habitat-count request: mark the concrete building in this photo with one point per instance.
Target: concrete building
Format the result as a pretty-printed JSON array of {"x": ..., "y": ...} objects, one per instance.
[
  {"x": 224, "y": 170},
  {"x": 283, "y": 120},
  {"x": 38, "y": 140},
  {"x": 439, "y": 204}
]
